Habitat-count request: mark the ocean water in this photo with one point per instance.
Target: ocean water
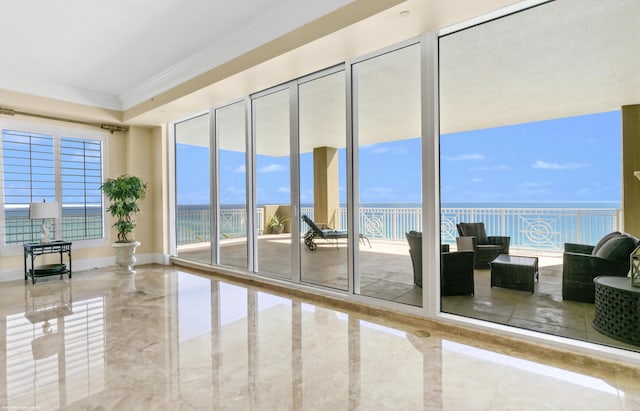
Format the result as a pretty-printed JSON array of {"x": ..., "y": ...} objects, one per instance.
[
  {"x": 457, "y": 204},
  {"x": 536, "y": 204}
]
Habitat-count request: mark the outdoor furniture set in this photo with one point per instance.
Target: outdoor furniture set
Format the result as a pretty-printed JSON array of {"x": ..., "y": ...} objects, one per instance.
[
  {"x": 492, "y": 252},
  {"x": 590, "y": 274},
  {"x": 475, "y": 250}
]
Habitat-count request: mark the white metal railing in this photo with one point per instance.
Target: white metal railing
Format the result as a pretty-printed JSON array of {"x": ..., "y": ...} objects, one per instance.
[
  {"x": 387, "y": 223},
  {"x": 536, "y": 228},
  {"x": 19, "y": 229},
  {"x": 532, "y": 228},
  {"x": 194, "y": 225}
]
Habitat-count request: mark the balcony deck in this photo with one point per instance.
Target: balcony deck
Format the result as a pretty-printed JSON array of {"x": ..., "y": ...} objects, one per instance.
[{"x": 386, "y": 273}]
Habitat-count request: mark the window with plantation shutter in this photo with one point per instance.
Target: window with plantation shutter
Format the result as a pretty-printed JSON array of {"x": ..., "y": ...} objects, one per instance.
[
  {"x": 81, "y": 177},
  {"x": 28, "y": 170},
  {"x": 40, "y": 163}
]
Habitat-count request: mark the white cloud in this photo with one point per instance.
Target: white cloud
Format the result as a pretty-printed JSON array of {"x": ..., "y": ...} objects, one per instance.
[
  {"x": 285, "y": 190},
  {"x": 476, "y": 180},
  {"x": 379, "y": 150},
  {"x": 497, "y": 167},
  {"x": 465, "y": 157},
  {"x": 241, "y": 168},
  {"x": 556, "y": 166},
  {"x": 383, "y": 150},
  {"x": 271, "y": 168}
]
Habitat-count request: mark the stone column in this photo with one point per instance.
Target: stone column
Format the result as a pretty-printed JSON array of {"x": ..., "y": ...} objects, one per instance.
[
  {"x": 630, "y": 164},
  {"x": 325, "y": 186}
]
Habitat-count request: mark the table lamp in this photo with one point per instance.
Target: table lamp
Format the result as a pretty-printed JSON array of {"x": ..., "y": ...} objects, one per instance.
[{"x": 43, "y": 211}]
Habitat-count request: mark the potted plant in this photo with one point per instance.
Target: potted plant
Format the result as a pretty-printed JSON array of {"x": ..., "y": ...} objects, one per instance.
[
  {"x": 276, "y": 223},
  {"x": 123, "y": 194}
]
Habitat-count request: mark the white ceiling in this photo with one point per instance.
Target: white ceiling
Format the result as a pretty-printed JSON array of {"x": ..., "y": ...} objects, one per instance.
[
  {"x": 115, "y": 54},
  {"x": 123, "y": 53}
]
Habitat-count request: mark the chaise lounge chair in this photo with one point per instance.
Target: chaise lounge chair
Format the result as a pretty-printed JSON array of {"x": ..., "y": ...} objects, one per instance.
[{"x": 327, "y": 234}]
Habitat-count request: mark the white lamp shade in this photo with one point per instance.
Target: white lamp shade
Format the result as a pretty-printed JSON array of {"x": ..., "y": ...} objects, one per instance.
[{"x": 40, "y": 211}]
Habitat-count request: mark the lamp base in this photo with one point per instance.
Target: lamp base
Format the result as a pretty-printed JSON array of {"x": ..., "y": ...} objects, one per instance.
[{"x": 44, "y": 233}]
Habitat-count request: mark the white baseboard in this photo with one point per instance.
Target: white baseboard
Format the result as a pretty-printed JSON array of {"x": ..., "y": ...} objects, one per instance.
[{"x": 91, "y": 264}]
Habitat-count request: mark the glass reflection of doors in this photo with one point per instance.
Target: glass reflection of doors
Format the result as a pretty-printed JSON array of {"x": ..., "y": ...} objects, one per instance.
[
  {"x": 322, "y": 136},
  {"x": 231, "y": 131},
  {"x": 271, "y": 122},
  {"x": 387, "y": 119},
  {"x": 193, "y": 202}
]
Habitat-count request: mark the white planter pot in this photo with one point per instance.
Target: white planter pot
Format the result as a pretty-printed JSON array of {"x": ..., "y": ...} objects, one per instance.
[{"x": 125, "y": 256}]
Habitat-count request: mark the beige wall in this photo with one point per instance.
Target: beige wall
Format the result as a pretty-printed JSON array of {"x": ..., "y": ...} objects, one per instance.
[{"x": 137, "y": 152}]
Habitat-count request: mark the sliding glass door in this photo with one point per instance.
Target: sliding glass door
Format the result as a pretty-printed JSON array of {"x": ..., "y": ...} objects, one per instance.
[
  {"x": 387, "y": 121},
  {"x": 323, "y": 177},
  {"x": 231, "y": 137},
  {"x": 531, "y": 126},
  {"x": 193, "y": 189},
  {"x": 271, "y": 125}
]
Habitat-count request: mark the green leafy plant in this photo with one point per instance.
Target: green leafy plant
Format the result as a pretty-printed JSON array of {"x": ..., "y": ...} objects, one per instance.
[
  {"x": 124, "y": 193},
  {"x": 276, "y": 223},
  {"x": 277, "y": 220}
]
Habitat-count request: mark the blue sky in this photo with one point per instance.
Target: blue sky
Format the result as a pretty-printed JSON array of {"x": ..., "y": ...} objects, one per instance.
[{"x": 570, "y": 159}]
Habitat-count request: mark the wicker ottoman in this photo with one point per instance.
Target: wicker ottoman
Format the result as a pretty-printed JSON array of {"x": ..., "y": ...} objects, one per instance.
[{"x": 510, "y": 271}]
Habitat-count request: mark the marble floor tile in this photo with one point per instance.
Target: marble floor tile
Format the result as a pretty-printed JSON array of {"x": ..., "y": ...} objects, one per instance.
[
  {"x": 170, "y": 338},
  {"x": 386, "y": 273}
]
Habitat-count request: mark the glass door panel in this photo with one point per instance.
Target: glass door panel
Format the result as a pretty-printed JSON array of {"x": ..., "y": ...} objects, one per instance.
[
  {"x": 273, "y": 183},
  {"x": 193, "y": 202},
  {"x": 232, "y": 180},
  {"x": 531, "y": 148},
  {"x": 387, "y": 117},
  {"x": 323, "y": 179}
]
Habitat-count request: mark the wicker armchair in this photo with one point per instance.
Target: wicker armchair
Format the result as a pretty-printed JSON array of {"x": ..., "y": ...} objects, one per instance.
[
  {"x": 473, "y": 237},
  {"x": 456, "y": 268},
  {"x": 582, "y": 263}
]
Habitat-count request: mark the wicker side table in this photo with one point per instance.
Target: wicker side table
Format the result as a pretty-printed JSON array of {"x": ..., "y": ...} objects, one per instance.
[
  {"x": 617, "y": 309},
  {"x": 33, "y": 250}
]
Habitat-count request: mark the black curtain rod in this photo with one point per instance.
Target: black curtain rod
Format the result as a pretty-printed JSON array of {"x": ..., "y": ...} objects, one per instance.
[{"x": 109, "y": 127}]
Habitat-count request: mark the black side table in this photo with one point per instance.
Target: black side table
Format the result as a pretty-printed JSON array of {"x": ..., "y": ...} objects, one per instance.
[
  {"x": 617, "y": 309},
  {"x": 33, "y": 250}
]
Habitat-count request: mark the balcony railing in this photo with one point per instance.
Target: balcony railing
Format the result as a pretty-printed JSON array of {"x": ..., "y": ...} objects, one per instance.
[
  {"x": 536, "y": 228},
  {"x": 529, "y": 228},
  {"x": 19, "y": 229},
  {"x": 194, "y": 226}
]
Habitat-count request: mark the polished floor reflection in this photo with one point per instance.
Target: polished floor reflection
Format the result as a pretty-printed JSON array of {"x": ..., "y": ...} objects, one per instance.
[
  {"x": 387, "y": 274},
  {"x": 170, "y": 339}
]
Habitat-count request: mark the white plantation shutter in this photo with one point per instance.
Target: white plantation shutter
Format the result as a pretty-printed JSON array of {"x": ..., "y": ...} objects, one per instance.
[
  {"x": 28, "y": 171},
  {"x": 66, "y": 169},
  {"x": 81, "y": 177}
]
